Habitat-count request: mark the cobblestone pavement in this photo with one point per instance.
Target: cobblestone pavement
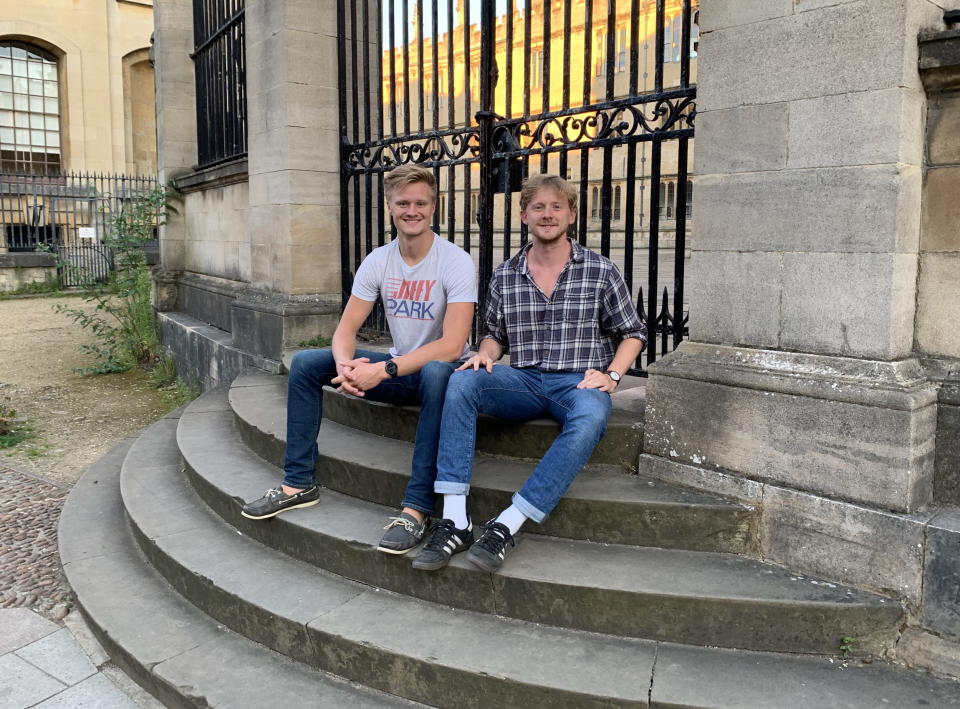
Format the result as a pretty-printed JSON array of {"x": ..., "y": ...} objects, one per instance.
[{"x": 30, "y": 575}]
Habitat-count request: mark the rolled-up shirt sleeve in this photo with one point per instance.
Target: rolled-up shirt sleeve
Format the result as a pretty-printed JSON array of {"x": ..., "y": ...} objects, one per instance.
[
  {"x": 493, "y": 315},
  {"x": 619, "y": 315}
]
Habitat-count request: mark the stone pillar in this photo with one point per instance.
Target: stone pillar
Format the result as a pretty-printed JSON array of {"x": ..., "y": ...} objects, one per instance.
[
  {"x": 176, "y": 113},
  {"x": 799, "y": 369},
  {"x": 938, "y": 286}
]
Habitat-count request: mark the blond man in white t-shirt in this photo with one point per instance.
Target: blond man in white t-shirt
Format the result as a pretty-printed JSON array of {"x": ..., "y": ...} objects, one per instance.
[{"x": 429, "y": 291}]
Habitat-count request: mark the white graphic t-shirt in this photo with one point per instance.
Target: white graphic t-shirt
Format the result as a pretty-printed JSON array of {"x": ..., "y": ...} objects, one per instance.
[{"x": 415, "y": 297}]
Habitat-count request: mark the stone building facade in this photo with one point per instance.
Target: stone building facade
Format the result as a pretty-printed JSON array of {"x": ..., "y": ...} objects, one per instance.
[{"x": 819, "y": 378}]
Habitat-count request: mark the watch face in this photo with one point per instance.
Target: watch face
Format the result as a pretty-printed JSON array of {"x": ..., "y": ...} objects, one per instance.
[
  {"x": 391, "y": 368},
  {"x": 615, "y": 376}
]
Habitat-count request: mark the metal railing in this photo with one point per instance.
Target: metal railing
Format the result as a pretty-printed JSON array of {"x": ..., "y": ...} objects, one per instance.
[
  {"x": 220, "y": 66},
  {"x": 69, "y": 214},
  {"x": 602, "y": 93}
]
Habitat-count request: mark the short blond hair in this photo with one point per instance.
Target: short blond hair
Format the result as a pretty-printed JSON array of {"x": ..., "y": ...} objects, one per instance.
[
  {"x": 400, "y": 177},
  {"x": 535, "y": 183}
]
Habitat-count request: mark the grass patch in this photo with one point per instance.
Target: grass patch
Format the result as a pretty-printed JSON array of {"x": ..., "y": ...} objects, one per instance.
[
  {"x": 174, "y": 390},
  {"x": 316, "y": 342},
  {"x": 13, "y": 431},
  {"x": 49, "y": 288}
]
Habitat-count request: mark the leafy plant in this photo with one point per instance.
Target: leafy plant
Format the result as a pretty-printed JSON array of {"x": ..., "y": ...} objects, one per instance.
[
  {"x": 13, "y": 431},
  {"x": 316, "y": 342},
  {"x": 846, "y": 645},
  {"x": 175, "y": 390},
  {"x": 122, "y": 318}
]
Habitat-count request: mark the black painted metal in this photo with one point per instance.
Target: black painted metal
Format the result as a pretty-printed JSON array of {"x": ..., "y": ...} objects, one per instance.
[
  {"x": 68, "y": 214},
  {"x": 638, "y": 115},
  {"x": 221, "y": 86}
]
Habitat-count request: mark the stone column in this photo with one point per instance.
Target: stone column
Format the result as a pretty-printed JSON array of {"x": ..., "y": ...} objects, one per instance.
[
  {"x": 294, "y": 179},
  {"x": 176, "y": 118},
  {"x": 799, "y": 369}
]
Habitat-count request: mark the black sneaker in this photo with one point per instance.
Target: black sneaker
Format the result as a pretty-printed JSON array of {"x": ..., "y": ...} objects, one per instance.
[
  {"x": 490, "y": 549},
  {"x": 444, "y": 541},
  {"x": 403, "y": 533},
  {"x": 275, "y": 501}
]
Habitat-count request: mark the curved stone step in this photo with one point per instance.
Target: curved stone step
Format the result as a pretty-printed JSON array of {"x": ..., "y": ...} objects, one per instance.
[
  {"x": 603, "y": 504},
  {"x": 621, "y": 445},
  {"x": 179, "y": 654},
  {"x": 691, "y": 597}
]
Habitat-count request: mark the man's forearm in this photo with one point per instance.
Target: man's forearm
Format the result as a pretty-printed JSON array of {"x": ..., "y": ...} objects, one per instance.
[
  {"x": 444, "y": 349},
  {"x": 627, "y": 352},
  {"x": 344, "y": 346}
]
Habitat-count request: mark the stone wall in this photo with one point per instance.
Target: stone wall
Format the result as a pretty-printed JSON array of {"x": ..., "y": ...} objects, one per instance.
[{"x": 21, "y": 269}]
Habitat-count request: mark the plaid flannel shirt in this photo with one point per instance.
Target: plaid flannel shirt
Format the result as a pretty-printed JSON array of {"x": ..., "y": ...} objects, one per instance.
[{"x": 577, "y": 328}]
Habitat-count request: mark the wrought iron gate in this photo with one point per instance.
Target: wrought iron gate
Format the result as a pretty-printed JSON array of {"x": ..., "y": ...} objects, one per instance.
[{"x": 586, "y": 86}]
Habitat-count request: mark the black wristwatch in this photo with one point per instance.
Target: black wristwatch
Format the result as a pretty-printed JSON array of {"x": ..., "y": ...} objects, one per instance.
[
  {"x": 391, "y": 368},
  {"x": 615, "y": 376}
]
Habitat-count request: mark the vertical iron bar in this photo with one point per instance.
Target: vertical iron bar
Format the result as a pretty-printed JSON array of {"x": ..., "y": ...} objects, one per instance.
[
  {"x": 606, "y": 200},
  {"x": 680, "y": 239},
  {"x": 420, "y": 88},
  {"x": 634, "y": 49},
  {"x": 628, "y": 222},
  {"x": 406, "y": 69},
  {"x": 346, "y": 281},
  {"x": 353, "y": 65},
  {"x": 654, "y": 247},
  {"x": 391, "y": 31},
  {"x": 685, "y": 52},
  {"x": 545, "y": 86},
  {"x": 611, "y": 46},
  {"x": 658, "y": 50}
]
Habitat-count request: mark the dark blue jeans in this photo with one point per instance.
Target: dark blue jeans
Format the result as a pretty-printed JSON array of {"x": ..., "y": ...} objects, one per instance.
[
  {"x": 312, "y": 370},
  {"x": 521, "y": 395}
]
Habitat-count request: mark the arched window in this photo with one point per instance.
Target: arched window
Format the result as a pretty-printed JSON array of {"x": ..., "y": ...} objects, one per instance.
[
  {"x": 29, "y": 110},
  {"x": 594, "y": 202},
  {"x": 670, "y": 196},
  {"x": 616, "y": 203}
]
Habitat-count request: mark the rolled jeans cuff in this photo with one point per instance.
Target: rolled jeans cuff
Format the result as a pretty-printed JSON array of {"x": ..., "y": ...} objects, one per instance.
[
  {"x": 528, "y": 510},
  {"x": 448, "y": 487},
  {"x": 416, "y": 506}
]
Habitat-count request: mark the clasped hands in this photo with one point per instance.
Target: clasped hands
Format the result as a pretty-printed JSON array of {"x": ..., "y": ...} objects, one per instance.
[{"x": 359, "y": 375}]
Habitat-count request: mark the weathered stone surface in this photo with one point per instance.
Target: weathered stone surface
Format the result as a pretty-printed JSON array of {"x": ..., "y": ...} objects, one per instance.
[
  {"x": 59, "y": 656},
  {"x": 941, "y": 208},
  {"x": 829, "y": 425},
  {"x": 860, "y": 128},
  {"x": 834, "y": 50},
  {"x": 19, "y": 626},
  {"x": 923, "y": 650},
  {"x": 22, "y": 684},
  {"x": 853, "y": 305},
  {"x": 941, "y": 576},
  {"x": 731, "y": 315},
  {"x": 943, "y": 128},
  {"x": 742, "y": 139},
  {"x": 97, "y": 691},
  {"x": 938, "y": 304},
  {"x": 946, "y": 482},
  {"x": 718, "y": 14},
  {"x": 844, "y": 542},
  {"x": 715, "y": 481},
  {"x": 873, "y": 208}
]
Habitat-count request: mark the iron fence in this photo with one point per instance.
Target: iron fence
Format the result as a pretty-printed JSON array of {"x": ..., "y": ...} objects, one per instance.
[
  {"x": 68, "y": 214},
  {"x": 221, "y": 84},
  {"x": 599, "y": 91}
]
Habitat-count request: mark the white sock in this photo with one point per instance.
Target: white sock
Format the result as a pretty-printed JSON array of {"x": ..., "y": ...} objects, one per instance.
[
  {"x": 512, "y": 519},
  {"x": 455, "y": 508}
]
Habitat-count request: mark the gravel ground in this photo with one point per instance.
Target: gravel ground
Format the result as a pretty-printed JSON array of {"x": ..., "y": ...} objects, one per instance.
[{"x": 75, "y": 420}]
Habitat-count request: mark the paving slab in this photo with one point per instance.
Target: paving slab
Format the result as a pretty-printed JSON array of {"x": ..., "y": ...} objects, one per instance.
[
  {"x": 23, "y": 685},
  {"x": 21, "y": 626},
  {"x": 59, "y": 655},
  {"x": 95, "y": 692}
]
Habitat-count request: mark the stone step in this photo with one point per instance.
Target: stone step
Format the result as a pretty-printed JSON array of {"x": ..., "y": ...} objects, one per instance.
[
  {"x": 621, "y": 445},
  {"x": 603, "y": 504},
  {"x": 176, "y": 652},
  {"x": 692, "y": 597}
]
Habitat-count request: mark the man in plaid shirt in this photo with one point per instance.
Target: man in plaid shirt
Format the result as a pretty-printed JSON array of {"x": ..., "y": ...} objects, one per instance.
[{"x": 566, "y": 316}]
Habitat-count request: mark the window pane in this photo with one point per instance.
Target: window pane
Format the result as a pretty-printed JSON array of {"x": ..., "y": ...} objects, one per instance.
[
  {"x": 20, "y": 86},
  {"x": 18, "y": 52},
  {"x": 36, "y": 87},
  {"x": 35, "y": 70},
  {"x": 6, "y": 118},
  {"x": 20, "y": 102},
  {"x": 36, "y": 104},
  {"x": 37, "y": 138},
  {"x": 52, "y": 123},
  {"x": 6, "y": 135},
  {"x": 23, "y": 136},
  {"x": 36, "y": 121},
  {"x": 5, "y": 50},
  {"x": 50, "y": 105},
  {"x": 50, "y": 89},
  {"x": 6, "y": 83},
  {"x": 50, "y": 71},
  {"x": 6, "y": 100},
  {"x": 53, "y": 139},
  {"x": 19, "y": 67},
  {"x": 5, "y": 66},
  {"x": 22, "y": 119}
]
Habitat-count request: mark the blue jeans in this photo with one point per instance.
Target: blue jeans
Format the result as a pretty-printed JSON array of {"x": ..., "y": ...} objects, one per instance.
[
  {"x": 311, "y": 370},
  {"x": 521, "y": 395}
]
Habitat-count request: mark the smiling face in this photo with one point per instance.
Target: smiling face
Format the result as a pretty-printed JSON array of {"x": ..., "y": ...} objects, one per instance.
[
  {"x": 411, "y": 208},
  {"x": 548, "y": 215}
]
